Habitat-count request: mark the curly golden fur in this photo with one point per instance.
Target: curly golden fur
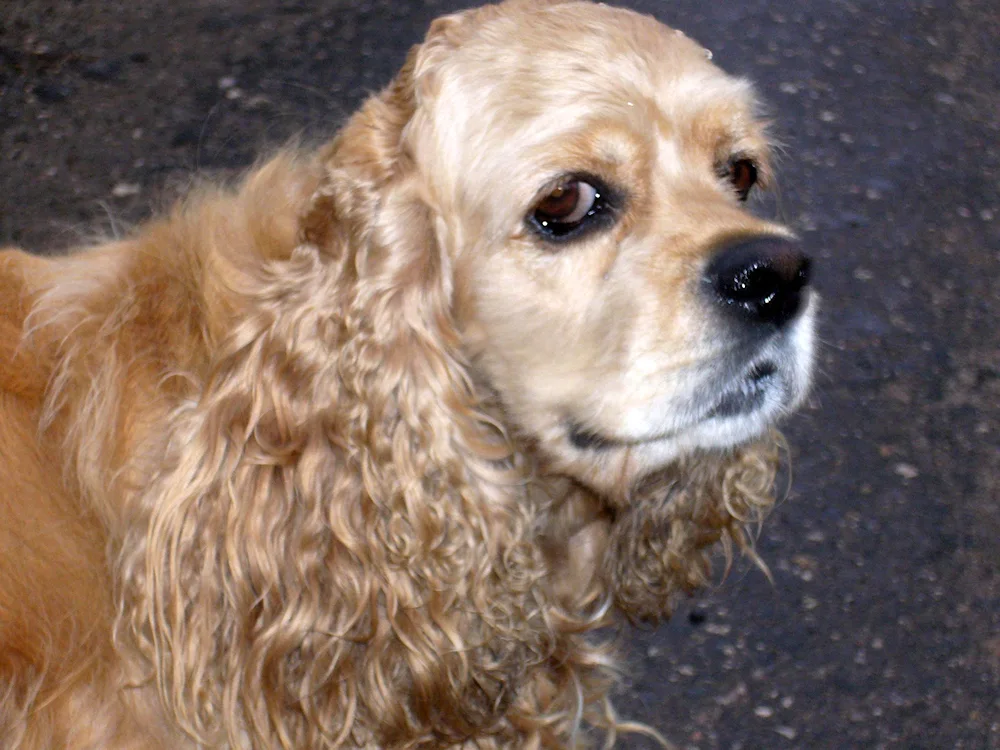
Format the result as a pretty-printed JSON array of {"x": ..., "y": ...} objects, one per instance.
[{"x": 295, "y": 465}]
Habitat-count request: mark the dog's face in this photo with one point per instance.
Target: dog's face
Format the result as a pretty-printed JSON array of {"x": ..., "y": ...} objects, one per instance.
[{"x": 588, "y": 166}]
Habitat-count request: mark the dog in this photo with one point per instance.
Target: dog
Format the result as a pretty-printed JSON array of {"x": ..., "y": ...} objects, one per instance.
[{"x": 367, "y": 450}]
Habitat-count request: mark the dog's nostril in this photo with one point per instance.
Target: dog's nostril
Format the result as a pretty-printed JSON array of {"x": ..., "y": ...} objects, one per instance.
[
  {"x": 760, "y": 280},
  {"x": 762, "y": 371}
]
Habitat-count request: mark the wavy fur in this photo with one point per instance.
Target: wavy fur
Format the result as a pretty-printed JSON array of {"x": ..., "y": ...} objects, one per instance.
[{"x": 259, "y": 490}]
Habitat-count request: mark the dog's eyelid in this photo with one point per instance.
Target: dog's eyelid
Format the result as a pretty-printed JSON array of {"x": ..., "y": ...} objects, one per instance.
[{"x": 566, "y": 178}]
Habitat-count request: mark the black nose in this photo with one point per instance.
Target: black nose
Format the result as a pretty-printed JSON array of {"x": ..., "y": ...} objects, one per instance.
[{"x": 760, "y": 280}]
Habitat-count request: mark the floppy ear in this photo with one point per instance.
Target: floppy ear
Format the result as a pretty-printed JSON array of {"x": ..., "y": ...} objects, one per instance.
[
  {"x": 338, "y": 548},
  {"x": 662, "y": 545}
]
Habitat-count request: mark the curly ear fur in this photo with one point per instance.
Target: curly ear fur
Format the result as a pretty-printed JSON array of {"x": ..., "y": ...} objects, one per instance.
[
  {"x": 339, "y": 549},
  {"x": 662, "y": 544}
]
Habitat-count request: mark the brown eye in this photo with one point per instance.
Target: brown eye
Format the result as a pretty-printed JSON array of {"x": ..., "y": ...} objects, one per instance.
[
  {"x": 567, "y": 204},
  {"x": 743, "y": 176},
  {"x": 572, "y": 207}
]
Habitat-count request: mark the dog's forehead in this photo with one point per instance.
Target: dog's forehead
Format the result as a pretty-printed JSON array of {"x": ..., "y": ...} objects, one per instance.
[
  {"x": 537, "y": 74},
  {"x": 533, "y": 59}
]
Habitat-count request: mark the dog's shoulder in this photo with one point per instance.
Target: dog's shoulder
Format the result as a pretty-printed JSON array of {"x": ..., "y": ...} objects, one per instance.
[
  {"x": 22, "y": 371},
  {"x": 154, "y": 304}
]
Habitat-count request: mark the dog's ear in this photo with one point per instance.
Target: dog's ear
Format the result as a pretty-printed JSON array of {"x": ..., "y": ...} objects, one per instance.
[
  {"x": 662, "y": 545},
  {"x": 339, "y": 534}
]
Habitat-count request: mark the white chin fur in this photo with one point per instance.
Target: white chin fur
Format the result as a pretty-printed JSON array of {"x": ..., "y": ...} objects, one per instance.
[{"x": 783, "y": 394}]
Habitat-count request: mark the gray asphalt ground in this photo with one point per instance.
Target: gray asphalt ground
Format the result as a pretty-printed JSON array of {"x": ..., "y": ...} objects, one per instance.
[{"x": 882, "y": 626}]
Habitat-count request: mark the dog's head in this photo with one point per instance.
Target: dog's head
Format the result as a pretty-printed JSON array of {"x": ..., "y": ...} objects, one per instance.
[
  {"x": 560, "y": 188},
  {"x": 584, "y": 170}
]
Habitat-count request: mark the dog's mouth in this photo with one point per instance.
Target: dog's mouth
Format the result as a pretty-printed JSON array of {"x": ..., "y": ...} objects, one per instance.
[
  {"x": 585, "y": 439},
  {"x": 748, "y": 393},
  {"x": 743, "y": 396}
]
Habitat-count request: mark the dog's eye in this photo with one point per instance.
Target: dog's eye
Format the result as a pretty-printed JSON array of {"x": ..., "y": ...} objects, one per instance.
[
  {"x": 567, "y": 204},
  {"x": 567, "y": 208},
  {"x": 742, "y": 174}
]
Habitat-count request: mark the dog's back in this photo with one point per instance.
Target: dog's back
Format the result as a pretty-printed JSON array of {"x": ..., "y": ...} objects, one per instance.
[
  {"x": 54, "y": 594},
  {"x": 85, "y": 343}
]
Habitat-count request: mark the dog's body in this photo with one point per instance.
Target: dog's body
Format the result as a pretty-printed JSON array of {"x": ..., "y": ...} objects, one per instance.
[{"x": 359, "y": 453}]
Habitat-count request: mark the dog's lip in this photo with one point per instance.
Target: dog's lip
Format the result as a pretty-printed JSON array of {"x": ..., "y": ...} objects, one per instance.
[
  {"x": 747, "y": 392},
  {"x": 744, "y": 395},
  {"x": 585, "y": 438}
]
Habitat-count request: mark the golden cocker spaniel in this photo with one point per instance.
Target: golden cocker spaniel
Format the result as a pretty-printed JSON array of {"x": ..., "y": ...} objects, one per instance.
[{"x": 361, "y": 452}]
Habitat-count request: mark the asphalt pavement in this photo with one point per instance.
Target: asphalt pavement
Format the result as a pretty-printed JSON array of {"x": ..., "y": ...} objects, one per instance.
[{"x": 881, "y": 628}]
